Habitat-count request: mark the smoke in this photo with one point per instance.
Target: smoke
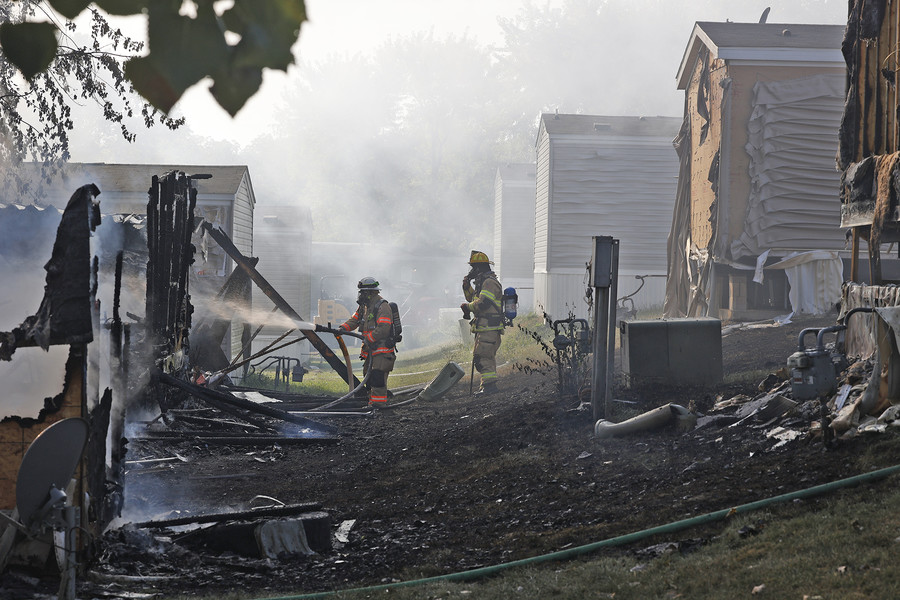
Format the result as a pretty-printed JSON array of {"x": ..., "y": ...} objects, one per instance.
[
  {"x": 30, "y": 377},
  {"x": 391, "y": 126},
  {"x": 254, "y": 316}
]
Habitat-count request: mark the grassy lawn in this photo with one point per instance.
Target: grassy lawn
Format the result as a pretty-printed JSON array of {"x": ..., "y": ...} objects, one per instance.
[{"x": 420, "y": 365}]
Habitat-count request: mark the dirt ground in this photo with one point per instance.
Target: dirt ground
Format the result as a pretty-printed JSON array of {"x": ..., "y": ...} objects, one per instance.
[{"x": 462, "y": 482}]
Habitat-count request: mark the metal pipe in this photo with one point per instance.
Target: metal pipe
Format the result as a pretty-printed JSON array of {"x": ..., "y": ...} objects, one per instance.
[
  {"x": 852, "y": 311},
  {"x": 820, "y": 337},
  {"x": 803, "y": 333},
  {"x": 611, "y": 327}
]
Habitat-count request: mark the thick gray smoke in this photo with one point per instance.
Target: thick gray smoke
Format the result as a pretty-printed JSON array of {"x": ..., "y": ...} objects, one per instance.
[{"x": 392, "y": 125}]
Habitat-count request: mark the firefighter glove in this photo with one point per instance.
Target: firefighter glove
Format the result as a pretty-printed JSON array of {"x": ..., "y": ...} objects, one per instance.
[{"x": 465, "y": 309}]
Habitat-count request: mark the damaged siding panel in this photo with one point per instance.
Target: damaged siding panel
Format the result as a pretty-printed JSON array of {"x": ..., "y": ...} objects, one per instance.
[
  {"x": 860, "y": 340},
  {"x": 801, "y": 105},
  {"x": 792, "y": 141}
]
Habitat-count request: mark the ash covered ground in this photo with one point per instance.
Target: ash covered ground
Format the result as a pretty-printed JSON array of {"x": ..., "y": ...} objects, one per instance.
[{"x": 462, "y": 482}]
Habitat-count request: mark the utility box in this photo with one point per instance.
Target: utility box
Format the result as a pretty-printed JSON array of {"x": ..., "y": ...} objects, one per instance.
[{"x": 676, "y": 351}]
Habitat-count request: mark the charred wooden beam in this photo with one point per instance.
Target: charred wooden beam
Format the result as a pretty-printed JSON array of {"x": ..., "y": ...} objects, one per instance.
[
  {"x": 64, "y": 315},
  {"x": 168, "y": 310},
  {"x": 208, "y": 394},
  {"x": 275, "y": 511},
  {"x": 242, "y": 261},
  {"x": 170, "y": 217}
]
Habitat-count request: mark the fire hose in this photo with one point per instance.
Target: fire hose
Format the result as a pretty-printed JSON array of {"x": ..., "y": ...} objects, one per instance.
[
  {"x": 337, "y": 334},
  {"x": 346, "y": 353}
]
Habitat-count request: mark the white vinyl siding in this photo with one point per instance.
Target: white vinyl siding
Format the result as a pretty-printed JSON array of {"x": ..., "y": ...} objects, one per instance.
[
  {"x": 514, "y": 223},
  {"x": 498, "y": 222},
  {"x": 623, "y": 188},
  {"x": 614, "y": 176},
  {"x": 542, "y": 202}
]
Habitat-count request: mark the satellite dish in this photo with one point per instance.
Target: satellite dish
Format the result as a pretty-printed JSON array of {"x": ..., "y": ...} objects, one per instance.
[{"x": 48, "y": 466}]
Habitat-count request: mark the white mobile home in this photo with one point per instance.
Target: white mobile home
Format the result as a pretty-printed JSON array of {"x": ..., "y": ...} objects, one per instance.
[
  {"x": 758, "y": 182},
  {"x": 602, "y": 175}
]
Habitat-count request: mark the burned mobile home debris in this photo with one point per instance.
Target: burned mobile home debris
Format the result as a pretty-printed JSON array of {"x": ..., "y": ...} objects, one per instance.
[{"x": 121, "y": 365}]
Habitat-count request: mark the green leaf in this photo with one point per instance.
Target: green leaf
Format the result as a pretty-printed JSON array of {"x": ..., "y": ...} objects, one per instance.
[
  {"x": 268, "y": 30},
  {"x": 121, "y": 7},
  {"x": 183, "y": 51},
  {"x": 69, "y": 8},
  {"x": 29, "y": 46},
  {"x": 153, "y": 84},
  {"x": 232, "y": 90},
  {"x": 187, "y": 49}
]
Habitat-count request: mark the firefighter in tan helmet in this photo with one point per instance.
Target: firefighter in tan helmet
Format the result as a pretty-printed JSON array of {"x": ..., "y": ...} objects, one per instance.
[
  {"x": 483, "y": 301},
  {"x": 374, "y": 319}
]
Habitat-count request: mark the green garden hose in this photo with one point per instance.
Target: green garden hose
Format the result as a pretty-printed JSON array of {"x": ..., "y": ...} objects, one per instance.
[{"x": 616, "y": 541}]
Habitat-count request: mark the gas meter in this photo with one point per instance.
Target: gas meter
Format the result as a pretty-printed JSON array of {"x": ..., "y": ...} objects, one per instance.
[{"x": 814, "y": 371}]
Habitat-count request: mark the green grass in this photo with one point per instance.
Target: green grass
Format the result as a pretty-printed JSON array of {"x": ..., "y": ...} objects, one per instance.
[{"x": 421, "y": 365}]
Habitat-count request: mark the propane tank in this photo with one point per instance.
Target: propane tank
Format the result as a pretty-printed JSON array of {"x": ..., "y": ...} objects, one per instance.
[{"x": 510, "y": 304}]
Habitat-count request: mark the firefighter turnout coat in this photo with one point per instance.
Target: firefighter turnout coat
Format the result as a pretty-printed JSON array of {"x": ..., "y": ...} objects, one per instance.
[
  {"x": 487, "y": 324},
  {"x": 374, "y": 321},
  {"x": 484, "y": 302}
]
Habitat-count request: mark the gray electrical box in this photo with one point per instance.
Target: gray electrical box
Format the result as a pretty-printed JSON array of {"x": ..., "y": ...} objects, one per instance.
[
  {"x": 677, "y": 351},
  {"x": 601, "y": 261}
]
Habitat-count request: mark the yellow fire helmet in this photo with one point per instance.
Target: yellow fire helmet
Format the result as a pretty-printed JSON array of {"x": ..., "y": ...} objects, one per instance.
[{"x": 479, "y": 257}]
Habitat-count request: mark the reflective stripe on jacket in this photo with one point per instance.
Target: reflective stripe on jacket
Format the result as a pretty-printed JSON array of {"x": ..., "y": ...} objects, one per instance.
[
  {"x": 375, "y": 326},
  {"x": 486, "y": 307}
]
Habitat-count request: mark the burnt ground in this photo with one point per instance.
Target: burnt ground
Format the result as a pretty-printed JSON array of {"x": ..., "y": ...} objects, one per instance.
[{"x": 457, "y": 483}]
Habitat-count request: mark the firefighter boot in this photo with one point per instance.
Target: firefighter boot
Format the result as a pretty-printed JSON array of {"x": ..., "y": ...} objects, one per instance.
[{"x": 487, "y": 389}]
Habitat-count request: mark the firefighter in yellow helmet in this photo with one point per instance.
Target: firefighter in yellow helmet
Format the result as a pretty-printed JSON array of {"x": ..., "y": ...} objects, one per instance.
[
  {"x": 374, "y": 319},
  {"x": 483, "y": 300}
]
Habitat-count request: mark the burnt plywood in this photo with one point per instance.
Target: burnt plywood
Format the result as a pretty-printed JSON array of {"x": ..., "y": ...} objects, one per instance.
[{"x": 704, "y": 106}]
